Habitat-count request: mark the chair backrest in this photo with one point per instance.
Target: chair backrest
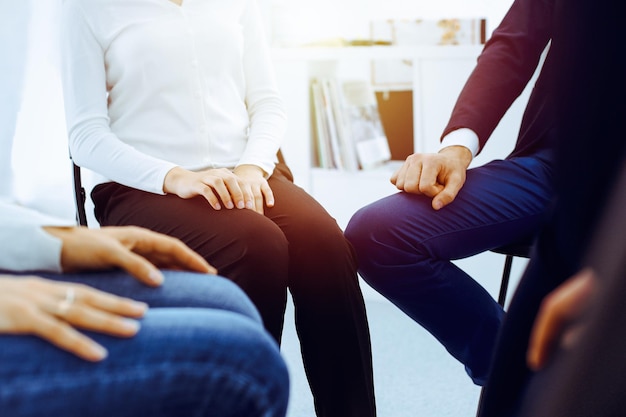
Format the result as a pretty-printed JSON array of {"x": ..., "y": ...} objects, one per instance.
[{"x": 80, "y": 197}]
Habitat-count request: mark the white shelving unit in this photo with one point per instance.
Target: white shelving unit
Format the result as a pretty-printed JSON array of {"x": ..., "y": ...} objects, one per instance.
[{"x": 438, "y": 75}]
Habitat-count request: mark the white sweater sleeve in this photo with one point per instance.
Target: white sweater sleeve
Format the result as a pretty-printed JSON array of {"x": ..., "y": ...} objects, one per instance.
[
  {"x": 25, "y": 245},
  {"x": 92, "y": 143},
  {"x": 265, "y": 107}
]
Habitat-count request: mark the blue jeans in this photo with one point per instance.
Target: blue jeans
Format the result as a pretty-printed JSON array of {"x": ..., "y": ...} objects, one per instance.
[
  {"x": 201, "y": 351},
  {"x": 405, "y": 249}
]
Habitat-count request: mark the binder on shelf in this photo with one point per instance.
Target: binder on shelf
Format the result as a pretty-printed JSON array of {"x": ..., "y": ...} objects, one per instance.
[
  {"x": 348, "y": 131},
  {"x": 345, "y": 144},
  {"x": 322, "y": 144},
  {"x": 334, "y": 122},
  {"x": 366, "y": 129}
]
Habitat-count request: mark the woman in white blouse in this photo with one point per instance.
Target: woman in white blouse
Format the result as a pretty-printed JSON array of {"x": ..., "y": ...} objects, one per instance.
[{"x": 174, "y": 104}]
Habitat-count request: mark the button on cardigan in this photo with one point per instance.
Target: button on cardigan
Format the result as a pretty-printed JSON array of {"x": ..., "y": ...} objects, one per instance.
[{"x": 150, "y": 85}]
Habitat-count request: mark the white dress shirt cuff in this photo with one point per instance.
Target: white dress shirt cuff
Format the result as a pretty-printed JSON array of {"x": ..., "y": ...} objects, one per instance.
[{"x": 461, "y": 137}]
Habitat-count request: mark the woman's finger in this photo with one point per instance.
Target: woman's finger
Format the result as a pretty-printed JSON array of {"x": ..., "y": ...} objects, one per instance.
[
  {"x": 209, "y": 195},
  {"x": 64, "y": 336},
  {"x": 258, "y": 200},
  {"x": 268, "y": 194},
  {"x": 136, "y": 265},
  {"x": 109, "y": 303},
  {"x": 248, "y": 193},
  {"x": 235, "y": 193},
  {"x": 168, "y": 252},
  {"x": 90, "y": 318}
]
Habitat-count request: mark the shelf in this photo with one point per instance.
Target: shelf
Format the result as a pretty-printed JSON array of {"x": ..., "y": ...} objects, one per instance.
[
  {"x": 382, "y": 171},
  {"x": 353, "y": 53}
]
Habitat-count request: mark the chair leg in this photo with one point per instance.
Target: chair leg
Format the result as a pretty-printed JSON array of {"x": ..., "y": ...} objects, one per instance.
[
  {"x": 506, "y": 274},
  {"x": 480, "y": 400},
  {"x": 504, "y": 286}
]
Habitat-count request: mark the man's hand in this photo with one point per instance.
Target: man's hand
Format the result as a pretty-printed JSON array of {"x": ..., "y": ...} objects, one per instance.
[
  {"x": 138, "y": 251},
  {"x": 439, "y": 176},
  {"x": 555, "y": 323},
  {"x": 52, "y": 310}
]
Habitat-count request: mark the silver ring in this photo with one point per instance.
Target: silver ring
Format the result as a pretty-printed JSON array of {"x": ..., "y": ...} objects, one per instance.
[{"x": 66, "y": 303}]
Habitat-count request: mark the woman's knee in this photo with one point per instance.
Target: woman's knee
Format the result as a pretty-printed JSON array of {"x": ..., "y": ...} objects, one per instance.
[
  {"x": 253, "y": 241},
  {"x": 265, "y": 241},
  {"x": 208, "y": 291},
  {"x": 317, "y": 234},
  {"x": 247, "y": 249},
  {"x": 221, "y": 339}
]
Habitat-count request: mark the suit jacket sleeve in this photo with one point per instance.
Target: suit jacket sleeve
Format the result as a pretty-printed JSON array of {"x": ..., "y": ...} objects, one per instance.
[{"x": 504, "y": 67}]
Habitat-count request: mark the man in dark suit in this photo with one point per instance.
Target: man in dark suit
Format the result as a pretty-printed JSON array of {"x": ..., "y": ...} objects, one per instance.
[
  {"x": 405, "y": 242},
  {"x": 586, "y": 377}
]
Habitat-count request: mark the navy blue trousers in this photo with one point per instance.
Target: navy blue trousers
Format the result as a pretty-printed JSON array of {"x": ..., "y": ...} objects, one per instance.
[{"x": 405, "y": 251}]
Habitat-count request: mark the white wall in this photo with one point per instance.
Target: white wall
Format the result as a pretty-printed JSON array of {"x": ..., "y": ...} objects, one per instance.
[{"x": 295, "y": 21}]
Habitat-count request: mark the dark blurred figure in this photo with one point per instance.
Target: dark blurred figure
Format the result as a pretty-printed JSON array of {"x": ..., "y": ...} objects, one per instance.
[{"x": 590, "y": 89}]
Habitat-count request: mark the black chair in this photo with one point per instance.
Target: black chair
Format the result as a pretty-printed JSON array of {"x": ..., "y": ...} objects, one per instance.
[
  {"x": 520, "y": 250},
  {"x": 80, "y": 197}
]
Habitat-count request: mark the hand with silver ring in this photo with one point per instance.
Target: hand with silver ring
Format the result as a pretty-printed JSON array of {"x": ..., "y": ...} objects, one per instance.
[
  {"x": 65, "y": 304},
  {"x": 31, "y": 305}
]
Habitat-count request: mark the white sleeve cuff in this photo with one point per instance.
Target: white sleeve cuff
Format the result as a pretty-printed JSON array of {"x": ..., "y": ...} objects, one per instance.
[
  {"x": 26, "y": 246},
  {"x": 461, "y": 137},
  {"x": 42, "y": 254}
]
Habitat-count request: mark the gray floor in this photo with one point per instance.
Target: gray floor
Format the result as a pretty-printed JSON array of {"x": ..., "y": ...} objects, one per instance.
[{"x": 414, "y": 375}]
